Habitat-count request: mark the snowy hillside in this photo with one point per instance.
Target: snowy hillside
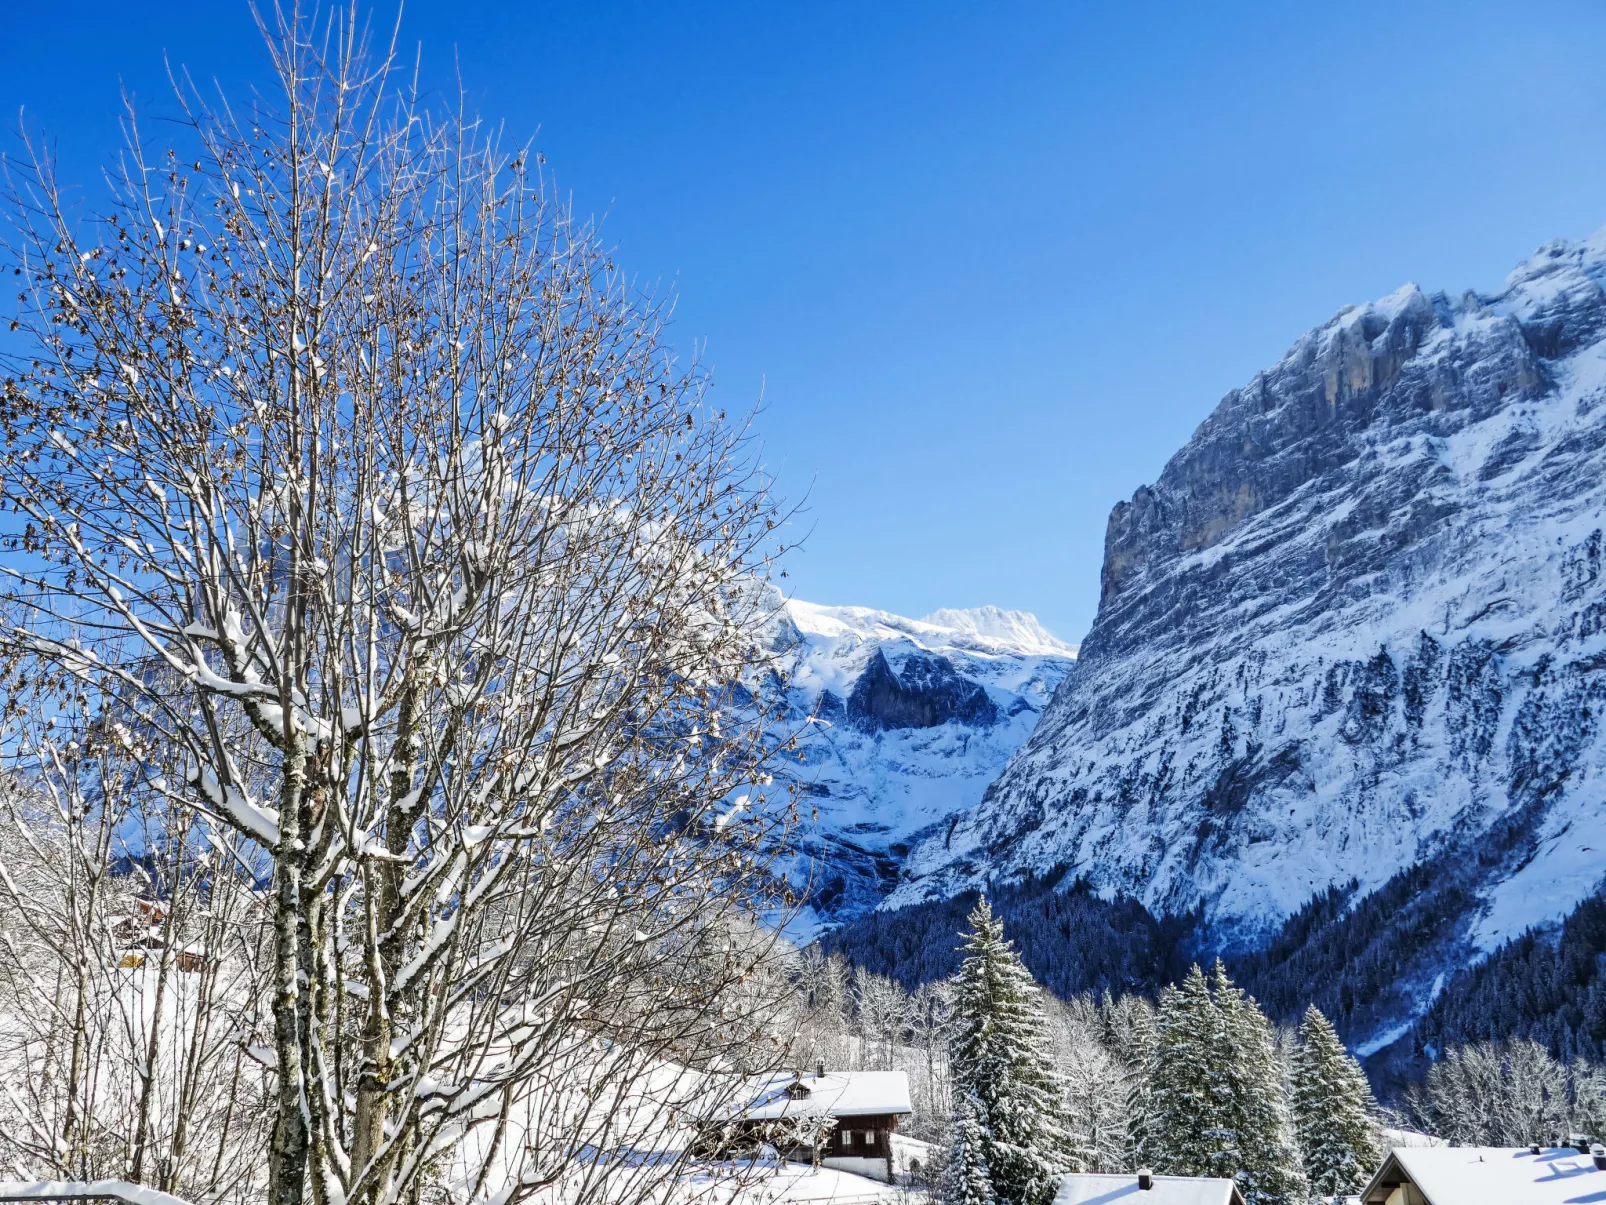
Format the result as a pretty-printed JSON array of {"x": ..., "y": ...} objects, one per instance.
[
  {"x": 1358, "y": 622},
  {"x": 907, "y": 723}
]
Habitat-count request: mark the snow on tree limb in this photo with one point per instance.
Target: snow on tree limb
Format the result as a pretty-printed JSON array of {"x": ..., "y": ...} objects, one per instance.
[{"x": 361, "y": 528}]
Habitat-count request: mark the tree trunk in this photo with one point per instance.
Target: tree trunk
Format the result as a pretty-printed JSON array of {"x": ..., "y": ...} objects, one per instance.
[
  {"x": 373, "y": 1083},
  {"x": 287, "y": 1155}
]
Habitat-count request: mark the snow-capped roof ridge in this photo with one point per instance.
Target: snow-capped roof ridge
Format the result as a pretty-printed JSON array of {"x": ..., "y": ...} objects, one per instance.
[{"x": 833, "y": 1094}]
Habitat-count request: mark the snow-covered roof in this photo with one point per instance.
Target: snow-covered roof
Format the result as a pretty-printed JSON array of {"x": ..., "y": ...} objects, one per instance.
[
  {"x": 834, "y": 1094},
  {"x": 1087, "y": 1188},
  {"x": 1451, "y": 1175},
  {"x": 85, "y": 1190},
  {"x": 780, "y": 1183}
]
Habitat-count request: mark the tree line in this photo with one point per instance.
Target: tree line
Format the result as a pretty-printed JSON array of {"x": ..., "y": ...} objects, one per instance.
[
  {"x": 1072, "y": 939},
  {"x": 1020, "y": 1086},
  {"x": 1549, "y": 988},
  {"x": 1341, "y": 951}
]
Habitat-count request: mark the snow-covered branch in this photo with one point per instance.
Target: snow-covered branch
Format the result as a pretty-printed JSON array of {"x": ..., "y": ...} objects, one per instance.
[{"x": 363, "y": 526}]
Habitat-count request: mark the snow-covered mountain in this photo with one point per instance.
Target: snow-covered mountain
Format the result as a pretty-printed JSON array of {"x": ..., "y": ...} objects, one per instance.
[
  {"x": 1358, "y": 622},
  {"x": 906, "y": 722}
]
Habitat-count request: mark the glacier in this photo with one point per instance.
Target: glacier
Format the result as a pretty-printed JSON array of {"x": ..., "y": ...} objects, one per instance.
[{"x": 1358, "y": 623}]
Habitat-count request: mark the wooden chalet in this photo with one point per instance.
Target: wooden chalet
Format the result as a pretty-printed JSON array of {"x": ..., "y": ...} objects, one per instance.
[
  {"x": 1468, "y": 1175},
  {"x": 855, "y": 1117},
  {"x": 140, "y": 934}
]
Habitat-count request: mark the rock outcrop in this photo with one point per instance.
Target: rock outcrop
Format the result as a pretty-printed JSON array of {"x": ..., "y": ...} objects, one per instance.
[{"x": 923, "y": 692}]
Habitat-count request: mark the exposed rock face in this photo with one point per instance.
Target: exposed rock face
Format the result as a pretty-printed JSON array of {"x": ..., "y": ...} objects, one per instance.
[
  {"x": 910, "y": 721},
  {"x": 1359, "y": 620},
  {"x": 923, "y": 692}
]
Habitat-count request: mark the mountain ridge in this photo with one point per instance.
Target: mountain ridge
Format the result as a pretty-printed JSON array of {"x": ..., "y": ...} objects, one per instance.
[{"x": 1358, "y": 622}]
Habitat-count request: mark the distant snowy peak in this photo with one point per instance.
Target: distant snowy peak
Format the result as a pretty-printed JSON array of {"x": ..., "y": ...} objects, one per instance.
[
  {"x": 978, "y": 629},
  {"x": 1018, "y": 631},
  {"x": 907, "y": 721}
]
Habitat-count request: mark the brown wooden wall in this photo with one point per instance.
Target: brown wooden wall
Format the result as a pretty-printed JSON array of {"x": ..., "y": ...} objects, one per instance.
[
  {"x": 869, "y": 1138},
  {"x": 862, "y": 1136}
]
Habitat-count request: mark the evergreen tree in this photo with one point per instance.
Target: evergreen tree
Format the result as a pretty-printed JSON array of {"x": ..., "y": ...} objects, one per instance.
[
  {"x": 1258, "y": 1136},
  {"x": 1001, "y": 1056},
  {"x": 1131, "y": 1034},
  {"x": 1144, "y": 1040},
  {"x": 1217, "y": 1101},
  {"x": 1187, "y": 1082},
  {"x": 966, "y": 1180},
  {"x": 1332, "y": 1111}
]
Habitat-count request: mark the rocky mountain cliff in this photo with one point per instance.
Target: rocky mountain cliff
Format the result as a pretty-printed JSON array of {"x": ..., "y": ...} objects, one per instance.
[
  {"x": 906, "y": 723},
  {"x": 1357, "y": 626}
]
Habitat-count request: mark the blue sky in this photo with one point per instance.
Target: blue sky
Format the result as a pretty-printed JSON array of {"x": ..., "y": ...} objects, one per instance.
[{"x": 989, "y": 263}]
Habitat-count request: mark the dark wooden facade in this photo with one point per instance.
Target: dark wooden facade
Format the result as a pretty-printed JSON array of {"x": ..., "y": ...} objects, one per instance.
[
  {"x": 861, "y": 1137},
  {"x": 864, "y": 1137}
]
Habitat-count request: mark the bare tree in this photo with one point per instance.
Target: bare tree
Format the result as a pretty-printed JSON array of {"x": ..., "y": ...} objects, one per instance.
[
  {"x": 130, "y": 1000},
  {"x": 1094, "y": 1080},
  {"x": 1508, "y": 1094},
  {"x": 1131, "y": 1035},
  {"x": 883, "y": 1011},
  {"x": 930, "y": 1024},
  {"x": 822, "y": 1003},
  {"x": 349, "y": 474}
]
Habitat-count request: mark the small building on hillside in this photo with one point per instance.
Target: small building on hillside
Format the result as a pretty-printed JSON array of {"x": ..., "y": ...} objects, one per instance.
[
  {"x": 846, "y": 1120},
  {"x": 1145, "y": 1188},
  {"x": 1462, "y": 1175}
]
